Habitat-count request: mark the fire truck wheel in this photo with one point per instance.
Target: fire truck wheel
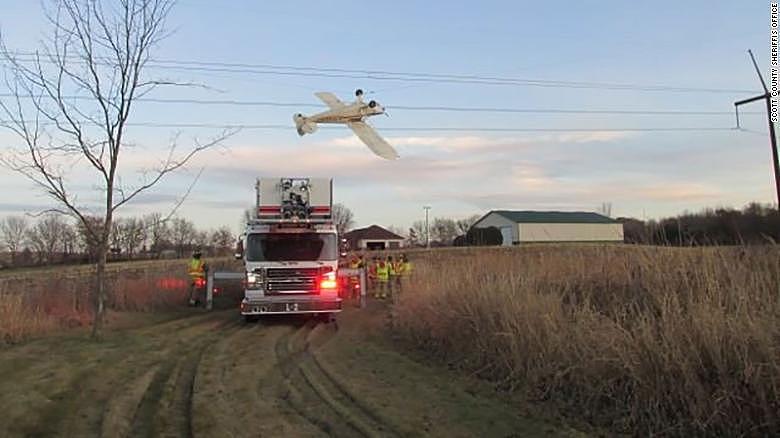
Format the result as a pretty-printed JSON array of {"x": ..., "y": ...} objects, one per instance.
[{"x": 250, "y": 318}]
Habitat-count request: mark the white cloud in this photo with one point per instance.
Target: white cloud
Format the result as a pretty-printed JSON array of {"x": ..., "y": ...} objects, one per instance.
[
  {"x": 585, "y": 137},
  {"x": 678, "y": 192},
  {"x": 475, "y": 143}
]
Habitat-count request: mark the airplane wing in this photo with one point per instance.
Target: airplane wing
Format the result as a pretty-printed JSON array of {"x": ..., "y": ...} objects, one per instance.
[
  {"x": 330, "y": 99},
  {"x": 374, "y": 142}
]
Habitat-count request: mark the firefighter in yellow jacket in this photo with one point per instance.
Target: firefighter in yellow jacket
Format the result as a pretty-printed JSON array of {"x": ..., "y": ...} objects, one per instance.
[
  {"x": 354, "y": 280},
  {"x": 395, "y": 274},
  {"x": 405, "y": 267},
  {"x": 196, "y": 268},
  {"x": 382, "y": 279}
]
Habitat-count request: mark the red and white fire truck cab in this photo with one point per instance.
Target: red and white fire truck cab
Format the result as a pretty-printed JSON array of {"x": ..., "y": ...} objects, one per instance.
[{"x": 291, "y": 250}]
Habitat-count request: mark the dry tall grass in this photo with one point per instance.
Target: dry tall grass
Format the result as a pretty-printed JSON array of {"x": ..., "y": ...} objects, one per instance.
[
  {"x": 641, "y": 340},
  {"x": 37, "y": 302}
]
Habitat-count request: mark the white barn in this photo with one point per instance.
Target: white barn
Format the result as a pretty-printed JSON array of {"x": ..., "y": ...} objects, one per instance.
[{"x": 518, "y": 227}]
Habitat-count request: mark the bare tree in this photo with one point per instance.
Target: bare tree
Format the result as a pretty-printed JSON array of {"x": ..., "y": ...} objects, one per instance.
[
  {"x": 46, "y": 237},
  {"x": 414, "y": 238},
  {"x": 418, "y": 231},
  {"x": 71, "y": 106},
  {"x": 88, "y": 239},
  {"x": 342, "y": 218},
  {"x": 14, "y": 233},
  {"x": 182, "y": 235},
  {"x": 201, "y": 239},
  {"x": 222, "y": 240},
  {"x": 68, "y": 241},
  {"x": 115, "y": 237},
  {"x": 132, "y": 234},
  {"x": 444, "y": 230},
  {"x": 158, "y": 233},
  {"x": 465, "y": 224}
]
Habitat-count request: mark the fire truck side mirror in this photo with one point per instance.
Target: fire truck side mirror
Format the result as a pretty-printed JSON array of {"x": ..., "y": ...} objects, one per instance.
[{"x": 239, "y": 250}]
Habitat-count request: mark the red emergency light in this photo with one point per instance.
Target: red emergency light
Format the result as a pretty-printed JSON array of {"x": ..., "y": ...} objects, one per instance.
[{"x": 327, "y": 280}]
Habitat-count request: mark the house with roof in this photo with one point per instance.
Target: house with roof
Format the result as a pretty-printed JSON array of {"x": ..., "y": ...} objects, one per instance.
[
  {"x": 373, "y": 238},
  {"x": 518, "y": 227}
]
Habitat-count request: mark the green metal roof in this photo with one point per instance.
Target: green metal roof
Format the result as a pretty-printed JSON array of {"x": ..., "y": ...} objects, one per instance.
[{"x": 555, "y": 217}]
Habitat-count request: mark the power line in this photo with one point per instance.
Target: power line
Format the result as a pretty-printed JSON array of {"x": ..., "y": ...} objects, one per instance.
[
  {"x": 443, "y": 108},
  {"x": 413, "y": 128},
  {"x": 385, "y": 75}
]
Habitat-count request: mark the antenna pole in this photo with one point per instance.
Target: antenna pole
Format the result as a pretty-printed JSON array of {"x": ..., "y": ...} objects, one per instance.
[{"x": 767, "y": 97}]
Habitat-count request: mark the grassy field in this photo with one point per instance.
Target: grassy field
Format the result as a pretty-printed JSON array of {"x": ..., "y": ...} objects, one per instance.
[
  {"x": 670, "y": 341},
  {"x": 35, "y": 302},
  {"x": 639, "y": 340},
  {"x": 211, "y": 375}
]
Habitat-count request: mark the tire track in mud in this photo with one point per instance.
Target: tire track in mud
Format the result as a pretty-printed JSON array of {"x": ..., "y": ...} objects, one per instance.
[
  {"x": 106, "y": 396},
  {"x": 238, "y": 389},
  {"x": 308, "y": 383},
  {"x": 166, "y": 407},
  {"x": 317, "y": 372}
]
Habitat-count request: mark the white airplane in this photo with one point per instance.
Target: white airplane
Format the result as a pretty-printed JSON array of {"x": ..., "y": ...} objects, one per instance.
[{"x": 353, "y": 116}]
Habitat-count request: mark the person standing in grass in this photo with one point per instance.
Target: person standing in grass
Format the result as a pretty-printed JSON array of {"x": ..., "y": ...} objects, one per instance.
[
  {"x": 397, "y": 273},
  {"x": 405, "y": 270},
  {"x": 393, "y": 274},
  {"x": 354, "y": 280},
  {"x": 197, "y": 273},
  {"x": 382, "y": 279},
  {"x": 372, "y": 275}
]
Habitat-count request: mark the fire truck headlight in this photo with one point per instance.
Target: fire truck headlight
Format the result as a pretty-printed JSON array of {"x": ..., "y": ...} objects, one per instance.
[{"x": 254, "y": 280}]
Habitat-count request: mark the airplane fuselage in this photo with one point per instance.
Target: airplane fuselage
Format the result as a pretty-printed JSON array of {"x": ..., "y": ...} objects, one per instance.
[{"x": 354, "y": 112}]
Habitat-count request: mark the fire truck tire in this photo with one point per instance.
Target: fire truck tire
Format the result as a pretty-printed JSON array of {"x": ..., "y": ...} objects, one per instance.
[{"x": 250, "y": 319}]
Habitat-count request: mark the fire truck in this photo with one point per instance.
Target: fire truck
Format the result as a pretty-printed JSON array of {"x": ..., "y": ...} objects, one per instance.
[{"x": 290, "y": 250}]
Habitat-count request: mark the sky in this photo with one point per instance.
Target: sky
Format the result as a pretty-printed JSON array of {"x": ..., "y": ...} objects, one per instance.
[{"x": 642, "y": 173}]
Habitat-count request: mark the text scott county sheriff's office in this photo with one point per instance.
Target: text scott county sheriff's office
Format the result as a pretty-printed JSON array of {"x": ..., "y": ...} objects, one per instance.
[{"x": 773, "y": 69}]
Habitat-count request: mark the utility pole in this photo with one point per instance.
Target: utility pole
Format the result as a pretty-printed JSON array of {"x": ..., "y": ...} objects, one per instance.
[
  {"x": 767, "y": 96},
  {"x": 427, "y": 228}
]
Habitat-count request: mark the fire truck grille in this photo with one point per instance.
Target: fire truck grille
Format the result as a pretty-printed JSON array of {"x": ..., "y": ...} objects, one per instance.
[{"x": 291, "y": 280}]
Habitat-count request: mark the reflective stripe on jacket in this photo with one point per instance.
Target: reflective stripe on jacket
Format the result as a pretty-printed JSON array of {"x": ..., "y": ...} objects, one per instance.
[{"x": 196, "y": 268}]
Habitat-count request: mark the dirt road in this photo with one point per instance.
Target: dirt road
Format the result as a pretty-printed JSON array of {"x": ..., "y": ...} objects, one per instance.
[{"x": 212, "y": 375}]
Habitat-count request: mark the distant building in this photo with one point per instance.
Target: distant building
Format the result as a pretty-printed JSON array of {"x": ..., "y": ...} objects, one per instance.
[
  {"x": 518, "y": 227},
  {"x": 373, "y": 238}
]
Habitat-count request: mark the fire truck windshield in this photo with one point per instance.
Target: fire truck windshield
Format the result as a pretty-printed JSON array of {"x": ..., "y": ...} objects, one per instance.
[{"x": 291, "y": 247}]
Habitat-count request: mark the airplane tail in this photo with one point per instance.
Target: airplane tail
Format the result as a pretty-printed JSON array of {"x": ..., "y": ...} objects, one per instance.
[{"x": 303, "y": 125}]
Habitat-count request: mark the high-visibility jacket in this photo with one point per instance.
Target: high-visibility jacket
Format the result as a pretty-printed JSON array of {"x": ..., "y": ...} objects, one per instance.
[
  {"x": 196, "y": 268},
  {"x": 398, "y": 268},
  {"x": 406, "y": 268},
  {"x": 354, "y": 279},
  {"x": 391, "y": 269},
  {"x": 383, "y": 272}
]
